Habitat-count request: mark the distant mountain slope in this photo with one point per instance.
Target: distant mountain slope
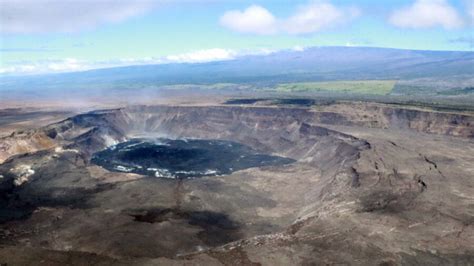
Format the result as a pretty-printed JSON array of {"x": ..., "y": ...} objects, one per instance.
[{"x": 313, "y": 64}]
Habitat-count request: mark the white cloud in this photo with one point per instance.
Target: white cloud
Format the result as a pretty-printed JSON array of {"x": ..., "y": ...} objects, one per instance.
[
  {"x": 216, "y": 54},
  {"x": 254, "y": 19},
  {"x": 46, "y": 66},
  {"x": 37, "y": 16},
  {"x": 317, "y": 16},
  {"x": 298, "y": 48},
  {"x": 427, "y": 14},
  {"x": 73, "y": 64},
  {"x": 313, "y": 17}
]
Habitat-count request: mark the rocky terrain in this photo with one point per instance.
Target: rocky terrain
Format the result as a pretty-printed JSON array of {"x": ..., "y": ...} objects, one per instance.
[{"x": 371, "y": 184}]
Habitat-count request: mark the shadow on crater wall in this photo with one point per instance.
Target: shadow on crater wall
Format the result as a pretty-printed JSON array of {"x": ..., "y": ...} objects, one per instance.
[{"x": 217, "y": 228}]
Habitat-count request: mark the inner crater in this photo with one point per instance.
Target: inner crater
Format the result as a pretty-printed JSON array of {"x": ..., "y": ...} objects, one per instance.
[{"x": 183, "y": 158}]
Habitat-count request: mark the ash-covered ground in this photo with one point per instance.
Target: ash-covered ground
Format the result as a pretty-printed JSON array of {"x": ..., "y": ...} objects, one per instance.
[{"x": 364, "y": 184}]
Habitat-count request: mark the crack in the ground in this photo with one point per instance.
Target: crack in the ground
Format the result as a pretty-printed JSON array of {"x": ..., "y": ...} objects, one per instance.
[{"x": 435, "y": 165}]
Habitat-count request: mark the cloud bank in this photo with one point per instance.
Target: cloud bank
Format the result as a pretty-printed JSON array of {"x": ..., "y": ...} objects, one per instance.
[
  {"x": 427, "y": 14},
  {"x": 469, "y": 41},
  {"x": 313, "y": 17},
  {"x": 73, "y": 64}
]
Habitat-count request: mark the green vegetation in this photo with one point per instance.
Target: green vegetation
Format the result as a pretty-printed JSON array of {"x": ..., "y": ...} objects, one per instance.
[
  {"x": 458, "y": 91},
  {"x": 215, "y": 86},
  {"x": 378, "y": 87},
  {"x": 367, "y": 87}
]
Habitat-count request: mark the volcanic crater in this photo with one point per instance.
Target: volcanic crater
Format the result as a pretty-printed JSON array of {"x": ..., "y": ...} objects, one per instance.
[{"x": 311, "y": 180}]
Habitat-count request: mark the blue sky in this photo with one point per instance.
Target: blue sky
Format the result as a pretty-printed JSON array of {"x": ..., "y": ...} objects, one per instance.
[{"x": 42, "y": 36}]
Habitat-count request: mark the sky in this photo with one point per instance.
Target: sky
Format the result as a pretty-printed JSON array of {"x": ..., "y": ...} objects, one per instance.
[{"x": 44, "y": 36}]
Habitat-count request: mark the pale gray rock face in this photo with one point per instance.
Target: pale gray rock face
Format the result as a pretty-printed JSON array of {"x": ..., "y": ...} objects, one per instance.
[{"x": 369, "y": 185}]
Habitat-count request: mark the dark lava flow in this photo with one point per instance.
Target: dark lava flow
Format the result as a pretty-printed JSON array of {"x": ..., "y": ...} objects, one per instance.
[{"x": 182, "y": 158}]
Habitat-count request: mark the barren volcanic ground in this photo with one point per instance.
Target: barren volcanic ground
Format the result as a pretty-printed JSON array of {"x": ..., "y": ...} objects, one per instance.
[{"x": 361, "y": 183}]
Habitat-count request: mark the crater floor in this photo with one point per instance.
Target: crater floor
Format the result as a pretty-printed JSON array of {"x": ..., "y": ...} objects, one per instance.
[{"x": 182, "y": 158}]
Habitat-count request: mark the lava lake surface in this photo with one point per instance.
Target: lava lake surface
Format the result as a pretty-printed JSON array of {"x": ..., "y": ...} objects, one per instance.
[{"x": 182, "y": 158}]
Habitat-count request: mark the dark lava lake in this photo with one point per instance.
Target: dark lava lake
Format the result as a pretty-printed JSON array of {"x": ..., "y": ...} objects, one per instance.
[{"x": 182, "y": 158}]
